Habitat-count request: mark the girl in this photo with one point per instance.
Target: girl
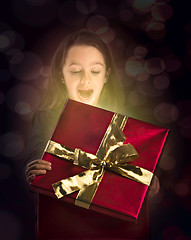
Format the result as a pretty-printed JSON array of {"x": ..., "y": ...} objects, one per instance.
[{"x": 83, "y": 70}]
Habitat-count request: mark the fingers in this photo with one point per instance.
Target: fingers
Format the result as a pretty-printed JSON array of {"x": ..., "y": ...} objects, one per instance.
[
  {"x": 38, "y": 161},
  {"x": 36, "y": 168}
]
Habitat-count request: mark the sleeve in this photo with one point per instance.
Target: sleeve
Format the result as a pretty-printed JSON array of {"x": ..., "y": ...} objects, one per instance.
[{"x": 40, "y": 131}]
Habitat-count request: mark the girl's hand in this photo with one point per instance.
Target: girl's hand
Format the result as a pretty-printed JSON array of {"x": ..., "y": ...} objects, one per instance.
[
  {"x": 155, "y": 186},
  {"x": 35, "y": 168}
]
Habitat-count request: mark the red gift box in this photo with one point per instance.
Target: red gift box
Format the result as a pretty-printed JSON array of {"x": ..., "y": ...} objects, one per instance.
[{"x": 83, "y": 126}]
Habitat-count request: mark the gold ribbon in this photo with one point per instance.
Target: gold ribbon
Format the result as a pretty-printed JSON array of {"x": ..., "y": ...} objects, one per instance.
[{"x": 112, "y": 154}]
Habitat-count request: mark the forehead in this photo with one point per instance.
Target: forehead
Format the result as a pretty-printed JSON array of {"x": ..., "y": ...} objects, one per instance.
[{"x": 84, "y": 54}]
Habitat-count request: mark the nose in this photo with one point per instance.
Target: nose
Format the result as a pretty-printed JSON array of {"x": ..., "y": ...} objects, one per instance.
[{"x": 85, "y": 78}]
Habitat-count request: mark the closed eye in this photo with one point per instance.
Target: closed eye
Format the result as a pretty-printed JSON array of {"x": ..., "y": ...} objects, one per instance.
[
  {"x": 95, "y": 72},
  {"x": 75, "y": 72}
]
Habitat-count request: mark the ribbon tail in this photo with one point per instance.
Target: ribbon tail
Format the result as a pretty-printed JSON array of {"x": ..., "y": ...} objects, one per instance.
[
  {"x": 84, "y": 197},
  {"x": 135, "y": 173},
  {"x": 75, "y": 183}
]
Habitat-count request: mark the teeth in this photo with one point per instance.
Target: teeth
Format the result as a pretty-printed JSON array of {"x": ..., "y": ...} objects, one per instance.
[{"x": 85, "y": 93}]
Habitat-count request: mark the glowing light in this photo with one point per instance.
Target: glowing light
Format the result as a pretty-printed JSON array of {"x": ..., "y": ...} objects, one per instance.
[
  {"x": 26, "y": 66},
  {"x": 86, "y": 7},
  {"x": 155, "y": 66},
  {"x": 135, "y": 98},
  {"x": 166, "y": 112},
  {"x": 97, "y": 24},
  {"x": 161, "y": 12},
  {"x": 140, "y": 52},
  {"x": 161, "y": 82}
]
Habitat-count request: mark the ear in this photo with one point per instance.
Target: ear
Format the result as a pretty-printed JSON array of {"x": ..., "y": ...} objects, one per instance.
[
  {"x": 107, "y": 75},
  {"x": 63, "y": 81}
]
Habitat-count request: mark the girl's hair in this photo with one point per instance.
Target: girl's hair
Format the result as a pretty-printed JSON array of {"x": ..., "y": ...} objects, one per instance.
[{"x": 56, "y": 92}]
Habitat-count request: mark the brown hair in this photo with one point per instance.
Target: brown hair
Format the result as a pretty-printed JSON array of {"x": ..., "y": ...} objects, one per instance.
[{"x": 56, "y": 93}]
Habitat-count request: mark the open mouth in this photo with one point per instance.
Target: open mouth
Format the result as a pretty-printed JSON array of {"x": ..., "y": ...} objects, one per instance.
[{"x": 85, "y": 94}]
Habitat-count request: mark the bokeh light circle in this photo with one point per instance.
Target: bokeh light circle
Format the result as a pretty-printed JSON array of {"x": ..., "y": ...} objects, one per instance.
[
  {"x": 147, "y": 88},
  {"x": 166, "y": 112},
  {"x": 22, "y": 99},
  {"x": 167, "y": 162},
  {"x": 134, "y": 66},
  {"x": 172, "y": 63},
  {"x": 26, "y": 66},
  {"x": 140, "y": 52},
  {"x": 156, "y": 26},
  {"x": 155, "y": 65},
  {"x": 107, "y": 35},
  {"x": 182, "y": 189},
  {"x": 143, "y": 6},
  {"x": 161, "y": 82},
  {"x": 143, "y": 76},
  {"x": 161, "y": 11},
  {"x": 11, "y": 39},
  {"x": 86, "y": 6},
  {"x": 97, "y": 24},
  {"x": 4, "y": 42},
  {"x": 12, "y": 144}
]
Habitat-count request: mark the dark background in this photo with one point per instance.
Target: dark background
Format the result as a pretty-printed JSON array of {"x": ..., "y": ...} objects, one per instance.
[{"x": 151, "y": 44}]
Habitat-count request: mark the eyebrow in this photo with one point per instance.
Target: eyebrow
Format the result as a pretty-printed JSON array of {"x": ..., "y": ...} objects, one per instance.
[{"x": 91, "y": 64}]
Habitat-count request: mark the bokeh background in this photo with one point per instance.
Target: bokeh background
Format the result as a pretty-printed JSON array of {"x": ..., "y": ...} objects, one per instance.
[{"x": 151, "y": 45}]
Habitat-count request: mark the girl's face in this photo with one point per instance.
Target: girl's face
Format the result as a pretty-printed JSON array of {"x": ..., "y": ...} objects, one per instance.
[{"x": 84, "y": 73}]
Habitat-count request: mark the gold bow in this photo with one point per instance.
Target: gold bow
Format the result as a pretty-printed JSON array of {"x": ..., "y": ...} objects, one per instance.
[{"x": 112, "y": 154}]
